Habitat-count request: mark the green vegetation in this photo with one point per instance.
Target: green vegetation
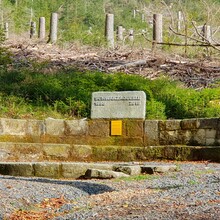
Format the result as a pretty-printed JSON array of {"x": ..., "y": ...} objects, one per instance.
[
  {"x": 199, "y": 173},
  {"x": 137, "y": 178},
  {"x": 77, "y": 17},
  {"x": 67, "y": 94},
  {"x": 193, "y": 182},
  {"x": 4, "y": 54}
]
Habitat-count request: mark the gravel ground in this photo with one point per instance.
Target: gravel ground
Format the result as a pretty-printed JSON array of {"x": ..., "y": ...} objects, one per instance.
[{"x": 193, "y": 192}]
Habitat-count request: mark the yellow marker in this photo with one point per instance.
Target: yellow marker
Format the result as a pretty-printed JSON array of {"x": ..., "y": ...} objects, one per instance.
[{"x": 116, "y": 127}]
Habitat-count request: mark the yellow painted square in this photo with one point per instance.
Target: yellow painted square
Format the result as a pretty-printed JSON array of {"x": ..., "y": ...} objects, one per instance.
[{"x": 116, "y": 127}]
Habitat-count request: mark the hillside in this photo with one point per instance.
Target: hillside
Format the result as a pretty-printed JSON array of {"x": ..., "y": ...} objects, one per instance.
[{"x": 40, "y": 79}]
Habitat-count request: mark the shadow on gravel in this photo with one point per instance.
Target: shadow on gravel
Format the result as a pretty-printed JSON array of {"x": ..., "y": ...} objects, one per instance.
[{"x": 90, "y": 188}]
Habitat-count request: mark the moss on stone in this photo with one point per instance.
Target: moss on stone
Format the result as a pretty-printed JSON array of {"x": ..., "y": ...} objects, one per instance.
[{"x": 104, "y": 153}]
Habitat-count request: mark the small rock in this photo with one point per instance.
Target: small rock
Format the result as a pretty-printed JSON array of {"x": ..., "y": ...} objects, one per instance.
[
  {"x": 130, "y": 170},
  {"x": 103, "y": 174},
  {"x": 165, "y": 168}
]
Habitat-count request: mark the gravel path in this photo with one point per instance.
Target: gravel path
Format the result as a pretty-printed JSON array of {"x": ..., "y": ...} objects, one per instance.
[{"x": 191, "y": 193}]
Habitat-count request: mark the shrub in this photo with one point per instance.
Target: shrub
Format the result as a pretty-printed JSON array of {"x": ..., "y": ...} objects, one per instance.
[
  {"x": 69, "y": 93},
  {"x": 4, "y": 53}
]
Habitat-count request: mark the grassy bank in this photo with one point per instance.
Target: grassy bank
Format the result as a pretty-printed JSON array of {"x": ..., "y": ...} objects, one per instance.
[{"x": 67, "y": 94}]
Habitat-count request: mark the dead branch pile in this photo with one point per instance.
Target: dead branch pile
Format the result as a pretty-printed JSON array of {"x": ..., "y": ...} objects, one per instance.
[{"x": 194, "y": 74}]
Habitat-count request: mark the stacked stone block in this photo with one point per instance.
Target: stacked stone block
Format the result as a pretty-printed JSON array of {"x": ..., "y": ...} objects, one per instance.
[{"x": 194, "y": 132}]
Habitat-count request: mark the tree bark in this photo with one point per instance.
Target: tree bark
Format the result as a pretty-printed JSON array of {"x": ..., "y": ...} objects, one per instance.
[
  {"x": 109, "y": 30},
  {"x": 41, "y": 32},
  {"x": 157, "y": 28},
  {"x": 53, "y": 28}
]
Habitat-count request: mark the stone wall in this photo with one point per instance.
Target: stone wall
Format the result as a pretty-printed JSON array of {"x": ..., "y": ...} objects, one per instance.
[{"x": 193, "y": 132}]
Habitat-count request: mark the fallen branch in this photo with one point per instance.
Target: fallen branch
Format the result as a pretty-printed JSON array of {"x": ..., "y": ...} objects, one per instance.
[
  {"x": 183, "y": 45},
  {"x": 127, "y": 65}
]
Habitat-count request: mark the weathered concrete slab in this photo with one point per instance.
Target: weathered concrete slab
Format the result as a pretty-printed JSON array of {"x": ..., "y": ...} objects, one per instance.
[
  {"x": 132, "y": 170},
  {"x": 16, "y": 169},
  {"x": 13, "y": 126},
  {"x": 76, "y": 127},
  {"x": 129, "y": 104},
  {"x": 188, "y": 124},
  {"x": 151, "y": 133},
  {"x": 198, "y": 137},
  {"x": 38, "y": 152},
  {"x": 99, "y": 128},
  {"x": 6, "y": 149},
  {"x": 81, "y": 152},
  {"x": 27, "y": 152},
  {"x": 172, "y": 125},
  {"x": 46, "y": 169},
  {"x": 54, "y": 127},
  {"x": 56, "y": 151},
  {"x": 103, "y": 174},
  {"x": 77, "y": 170},
  {"x": 35, "y": 127},
  {"x": 134, "y": 128},
  {"x": 165, "y": 168},
  {"x": 134, "y": 132},
  {"x": 208, "y": 123}
]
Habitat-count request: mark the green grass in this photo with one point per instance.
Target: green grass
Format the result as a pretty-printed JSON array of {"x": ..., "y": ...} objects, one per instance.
[
  {"x": 67, "y": 94},
  {"x": 193, "y": 182},
  {"x": 199, "y": 173},
  {"x": 137, "y": 178},
  {"x": 76, "y": 17}
]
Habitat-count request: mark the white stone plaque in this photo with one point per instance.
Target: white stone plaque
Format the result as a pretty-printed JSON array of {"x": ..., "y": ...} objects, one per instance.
[{"x": 129, "y": 104}]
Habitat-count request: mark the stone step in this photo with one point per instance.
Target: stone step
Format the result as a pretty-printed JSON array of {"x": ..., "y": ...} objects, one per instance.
[
  {"x": 78, "y": 170},
  {"x": 38, "y": 152}
]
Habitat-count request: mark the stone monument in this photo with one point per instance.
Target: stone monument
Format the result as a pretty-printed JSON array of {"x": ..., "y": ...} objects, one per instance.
[{"x": 118, "y": 105}]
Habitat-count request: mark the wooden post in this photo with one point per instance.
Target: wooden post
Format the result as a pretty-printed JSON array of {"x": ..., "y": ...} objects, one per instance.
[
  {"x": 33, "y": 29},
  {"x": 131, "y": 35},
  {"x": 179, "y": 21},
  {"x": 53, "y": 28},
  {"x": 41, "y": 32},
  {"x": 120, "y": 31},
  {"x": 109, "y": 29},
  {"x": 207, "y": 33},
  {"x": 157, "y": 28},
  {"x": 6, "y": 30}
]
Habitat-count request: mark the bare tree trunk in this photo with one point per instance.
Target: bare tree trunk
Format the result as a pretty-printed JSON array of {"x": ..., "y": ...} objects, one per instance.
[
  {"x": 6, "y": 30},
  {"x": 120, "y": 31},
  {"x": 179, "y": 21},
  {"x": 31, "y": 17},
  {"x": 143, "y": 17},
  {"x": 53, "y": 28},
  {"x": 41, "y": 32},
  {"x": 207, "y": 33},
  {"x": 134, "y": 13},
  {"x": 33, "y": 29},
  {"x": 131, "y": 35},
  {"x": 158, "y": 28},
  {"x": 109, "y": 30}
]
